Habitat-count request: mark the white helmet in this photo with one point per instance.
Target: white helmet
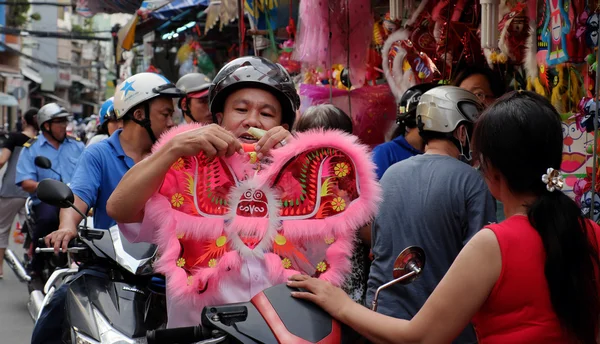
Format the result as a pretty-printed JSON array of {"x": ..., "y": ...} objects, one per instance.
[
  {"x": 51, "y": 111},
  {"x": 194, "y": 82},
  {"x": 140, "y": 88},
  {"x": 443, "y": 108}
]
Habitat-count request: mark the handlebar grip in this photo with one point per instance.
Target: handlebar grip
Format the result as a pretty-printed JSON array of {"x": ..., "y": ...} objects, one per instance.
[{"x": 181, "y": 335}]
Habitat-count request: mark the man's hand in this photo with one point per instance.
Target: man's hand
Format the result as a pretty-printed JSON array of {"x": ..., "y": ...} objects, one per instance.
[
  {"x": 274, "y": 138},
  {"x": 211, "y": 139},
  {"x": 60, "y": 239}
]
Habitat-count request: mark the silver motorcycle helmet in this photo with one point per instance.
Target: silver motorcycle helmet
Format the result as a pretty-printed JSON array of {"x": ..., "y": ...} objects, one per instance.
[
  {"x": 443, "y": 108},
  {"x": 49, "y": 112}
]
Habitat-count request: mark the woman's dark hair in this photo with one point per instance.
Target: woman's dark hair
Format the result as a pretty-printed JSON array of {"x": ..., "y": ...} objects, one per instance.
[
  {"x": 496, "y": 81},
  {"x": 324, "y": 116},
  {"x": 102, "y": 129},
  {"x": 520, "y": 136},
  {"x": 30, "y": 117}
]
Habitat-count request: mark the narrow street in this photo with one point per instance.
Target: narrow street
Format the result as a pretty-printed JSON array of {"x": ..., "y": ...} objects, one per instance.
[{"x": 15, "y": 323}]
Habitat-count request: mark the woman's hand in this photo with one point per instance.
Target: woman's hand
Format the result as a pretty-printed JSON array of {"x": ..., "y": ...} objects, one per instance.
[
  {"x": 274, "y": 138},
  {"x": 332, "y": 299}
]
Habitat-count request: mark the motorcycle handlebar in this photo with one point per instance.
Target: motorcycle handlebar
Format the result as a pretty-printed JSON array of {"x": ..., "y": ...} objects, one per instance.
[
  {"x": 51, "y": 249},
  {"x": 179, "y": 335}
]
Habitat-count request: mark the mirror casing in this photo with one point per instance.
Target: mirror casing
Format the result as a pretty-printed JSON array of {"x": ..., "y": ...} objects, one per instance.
[
  {"x": 412, "y": 254},
  {"x": 43, "y": 162},
  {"x": 55, "y": 193}
]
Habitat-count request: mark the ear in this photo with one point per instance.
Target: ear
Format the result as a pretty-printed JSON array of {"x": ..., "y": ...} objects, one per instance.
[
  {"x": 183, "y": 104},
  {"x": 139, "y": 114},
  {"x": 219, "y": 117},
  {"x": 286, "y": 126},
  {"x": 461, "y": 134}
]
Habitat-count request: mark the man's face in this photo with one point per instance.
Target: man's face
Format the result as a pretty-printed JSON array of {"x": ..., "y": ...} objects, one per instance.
[
  {"x": 58, "y": 128},
  {"x": 161, "y": 115},
  {"x": 479, "y": 86},
  {"x": 199, "y": 109},
  {"x": 250, "y": 107}
]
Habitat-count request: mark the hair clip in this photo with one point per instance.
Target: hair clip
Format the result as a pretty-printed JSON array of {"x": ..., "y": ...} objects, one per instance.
[{"x": 553, "y": 180}]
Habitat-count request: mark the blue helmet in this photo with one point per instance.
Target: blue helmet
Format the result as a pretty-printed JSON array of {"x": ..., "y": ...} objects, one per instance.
[{"x": 107, "y": 111}]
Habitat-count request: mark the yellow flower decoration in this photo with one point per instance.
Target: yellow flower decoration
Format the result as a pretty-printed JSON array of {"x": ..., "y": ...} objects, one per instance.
[
  {"x": 177, "y": 200},
  {"x": 322, "y": 267},
  {"x": 212, "y": 263},
  {"x": 180, "y": 262},
  {"x": 221, "y": 241},
  {"x": 178, "y": 165},
  {"x": 329, "y": 240},
  {"x": 280, "y": 240},
  {"x": 341, "y": 169},
  {"x": 190, "y": 280},
  {"x": 338, "y": 204},
  {"x": 287, "y": 263}
]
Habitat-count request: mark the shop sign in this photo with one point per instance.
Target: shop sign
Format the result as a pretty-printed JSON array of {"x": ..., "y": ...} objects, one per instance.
[{"x": 64, "y": 77}]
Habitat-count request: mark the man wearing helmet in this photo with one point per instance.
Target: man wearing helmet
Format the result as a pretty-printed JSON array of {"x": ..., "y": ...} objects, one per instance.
[
  {"x": 247, "y": 92},
  {"x": 144, "y": 102},
  {"x": 108, "y": 122},
  {"x": 63, "y": 152},
  {"x": 431, "y": 200},
  {"x": 195, "y": 103},
  {"x": 409, "y": 143}
]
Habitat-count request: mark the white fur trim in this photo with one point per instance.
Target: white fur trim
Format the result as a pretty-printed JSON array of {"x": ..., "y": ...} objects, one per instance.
[{"x": 233, "y": 228}]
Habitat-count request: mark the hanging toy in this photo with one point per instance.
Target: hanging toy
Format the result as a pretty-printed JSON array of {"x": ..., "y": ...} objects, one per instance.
[
  {"x": 591, "y": 30},
  {"x": 576, "y": 47},
  {"x": 560, "y": 90},
  {"x": 554, "y": 32},
  {"x": 398, "y": 76},
  {"x": 530, "y": 60}
]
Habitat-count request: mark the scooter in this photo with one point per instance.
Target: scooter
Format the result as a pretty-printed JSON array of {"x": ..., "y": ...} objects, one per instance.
[
  {"x": 19, "y": 265},
  {"x": 273, "y": 316},
  {"x": 113, "y": 297}
]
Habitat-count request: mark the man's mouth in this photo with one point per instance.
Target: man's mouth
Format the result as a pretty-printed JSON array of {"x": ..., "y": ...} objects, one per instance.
[{"x": 247, "y": 138}]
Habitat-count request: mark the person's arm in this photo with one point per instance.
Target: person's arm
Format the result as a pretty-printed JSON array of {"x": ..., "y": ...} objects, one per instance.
[
  {"x": 26, "y": 176},
  {"x": 6, "y": 152},
  {"x": 127, "y": 202},
  {"x": 4, "y": 156},
  {"x": 481, "y": 208},
  {"x": 445, "y": 313}
]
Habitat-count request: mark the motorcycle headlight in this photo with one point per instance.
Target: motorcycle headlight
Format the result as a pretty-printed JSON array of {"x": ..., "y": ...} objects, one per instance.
[{"x": 108, "y": 334}]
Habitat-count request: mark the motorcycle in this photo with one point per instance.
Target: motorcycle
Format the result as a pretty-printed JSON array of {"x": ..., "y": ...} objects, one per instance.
[
  {"x": 114, "y": 295},
  {"x": 19, "y": 265},
  {"x": 273, "y": 316}
]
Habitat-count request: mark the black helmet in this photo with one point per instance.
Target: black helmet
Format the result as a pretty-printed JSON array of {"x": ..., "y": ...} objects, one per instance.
[
  {"x": 255, "y": 72},
  {"x": 407, "y": 109}
]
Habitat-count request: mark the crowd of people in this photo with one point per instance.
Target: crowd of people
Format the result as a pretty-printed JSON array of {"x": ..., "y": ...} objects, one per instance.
[{"x": 470, "y": 174}]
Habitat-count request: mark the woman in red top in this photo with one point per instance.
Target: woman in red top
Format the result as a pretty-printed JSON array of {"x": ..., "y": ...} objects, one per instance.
[{"x": 529, "y": 279}]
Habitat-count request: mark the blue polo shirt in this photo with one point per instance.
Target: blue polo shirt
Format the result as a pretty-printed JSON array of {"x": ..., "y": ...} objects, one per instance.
[
  {"x": 64, "y": 159},
  {"x": 389, "y": 153},
  {"x": 100, "y": 169}
]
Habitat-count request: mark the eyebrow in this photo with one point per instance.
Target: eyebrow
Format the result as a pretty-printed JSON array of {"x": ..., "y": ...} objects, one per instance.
[{"x": 260, "y": 105}]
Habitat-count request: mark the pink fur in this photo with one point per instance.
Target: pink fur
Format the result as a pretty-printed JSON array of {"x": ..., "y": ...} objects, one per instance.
[{"x": 342, "y": 226}]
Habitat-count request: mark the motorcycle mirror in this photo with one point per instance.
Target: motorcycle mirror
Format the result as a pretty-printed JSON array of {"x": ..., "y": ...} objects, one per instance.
[
  {"x": 408, "y": 266},
  {"x": 412, "y": 259},
  {"x": 43, "y": 162},
  {"x": 55, "y": 193}
]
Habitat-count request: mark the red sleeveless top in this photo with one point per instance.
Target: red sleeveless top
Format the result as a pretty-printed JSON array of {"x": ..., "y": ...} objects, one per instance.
[{"x": 518, "y": 309}]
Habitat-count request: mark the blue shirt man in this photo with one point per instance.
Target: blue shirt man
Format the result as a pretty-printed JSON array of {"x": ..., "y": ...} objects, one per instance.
[
  {"x": 98, "y": 173},
  {"x": 389, "y": 153},
  {"x": 64, "y": 159}
]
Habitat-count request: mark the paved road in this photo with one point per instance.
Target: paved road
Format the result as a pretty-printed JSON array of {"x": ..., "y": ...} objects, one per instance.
[{"x": 15, "y": 323}]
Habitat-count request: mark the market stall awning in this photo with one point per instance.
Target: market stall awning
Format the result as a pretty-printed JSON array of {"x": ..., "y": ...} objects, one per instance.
[
  {"x": 31, "y": 74},
  {"x": 85, "y": 82},
  {"x": 87, "y": 8},
  {"x": 177, "y": 7},
  {"x": 8, "y": 100},
  {"x": 56, "y": 99}
]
